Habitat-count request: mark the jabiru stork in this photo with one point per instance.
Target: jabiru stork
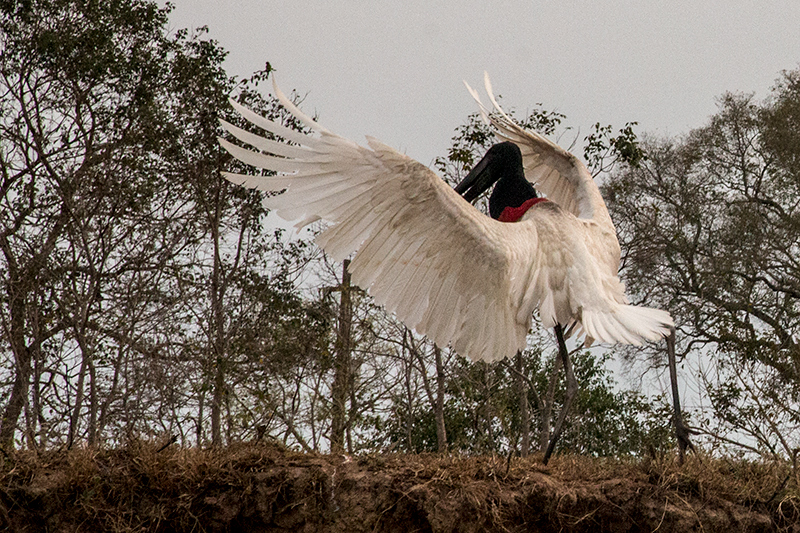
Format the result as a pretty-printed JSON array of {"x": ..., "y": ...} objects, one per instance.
[{"x": 441, "y": 266}]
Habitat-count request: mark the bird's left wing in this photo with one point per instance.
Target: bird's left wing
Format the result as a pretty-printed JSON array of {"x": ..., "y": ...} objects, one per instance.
[{"x": 445, "y": 269}]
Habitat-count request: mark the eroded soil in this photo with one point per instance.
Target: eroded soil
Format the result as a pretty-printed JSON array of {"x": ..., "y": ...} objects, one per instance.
[{"x": 264, "y": 488}]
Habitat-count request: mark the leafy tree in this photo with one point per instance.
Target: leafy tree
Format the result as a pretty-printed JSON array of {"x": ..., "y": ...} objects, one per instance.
[
  {"x": 603, "y": 152},
  {"x": 135, "y": 279},
  {"x": 609, "y": 422},
  {"x": 482, "y": 412},
  {"x": 82, "y": 121},
  {"x": 709, "y": 226}
]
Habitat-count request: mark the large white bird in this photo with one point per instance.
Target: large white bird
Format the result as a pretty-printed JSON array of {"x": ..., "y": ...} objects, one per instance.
[{"x": 443, "y": 267}]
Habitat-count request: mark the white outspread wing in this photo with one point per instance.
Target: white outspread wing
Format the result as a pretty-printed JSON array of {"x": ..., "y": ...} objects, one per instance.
[
  {"x": 445, "y": 269},
  {"x": 422, "y": 251},
  {"x": 558, "y": 174}
]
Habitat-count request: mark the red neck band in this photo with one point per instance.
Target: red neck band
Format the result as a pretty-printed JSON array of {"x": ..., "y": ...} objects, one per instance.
[{"x": 512, "y": 214}]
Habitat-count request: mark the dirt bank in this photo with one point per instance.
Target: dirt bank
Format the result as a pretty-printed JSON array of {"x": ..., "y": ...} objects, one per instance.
[{"x": 265, "y": 488}]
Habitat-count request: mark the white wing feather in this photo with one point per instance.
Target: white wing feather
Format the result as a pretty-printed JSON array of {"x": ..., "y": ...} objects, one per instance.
[
  {"x": 558, "y": 174},
  {"x": 445, "y": 269},
  {"x": 421, "y": 250}
]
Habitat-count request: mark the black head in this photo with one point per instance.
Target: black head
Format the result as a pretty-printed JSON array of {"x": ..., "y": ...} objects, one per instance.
[{"x": 502, "y": 164}]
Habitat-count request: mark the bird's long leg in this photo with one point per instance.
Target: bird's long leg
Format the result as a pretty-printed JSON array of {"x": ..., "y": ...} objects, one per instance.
[
  {"x": 681, "y": 432},
  {"x": 572, "y": 389}
]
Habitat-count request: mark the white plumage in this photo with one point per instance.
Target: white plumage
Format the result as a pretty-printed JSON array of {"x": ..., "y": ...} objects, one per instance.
[{"x": 444, "y": 268}]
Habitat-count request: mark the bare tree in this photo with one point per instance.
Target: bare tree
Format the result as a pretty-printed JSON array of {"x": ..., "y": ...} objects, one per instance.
[{"x": 709, "y": 224}]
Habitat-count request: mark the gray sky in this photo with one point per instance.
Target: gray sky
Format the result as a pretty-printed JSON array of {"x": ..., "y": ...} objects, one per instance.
[{"x": 394, "y": 70}]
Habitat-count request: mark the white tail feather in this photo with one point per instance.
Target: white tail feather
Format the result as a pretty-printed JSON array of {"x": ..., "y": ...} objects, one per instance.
[{"x": 628, "y": 324}]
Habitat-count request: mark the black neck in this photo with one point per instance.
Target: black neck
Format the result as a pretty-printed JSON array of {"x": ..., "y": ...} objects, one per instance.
[
  {"x": 500, "y": 166},
  {"x": 512, "y": 190}
]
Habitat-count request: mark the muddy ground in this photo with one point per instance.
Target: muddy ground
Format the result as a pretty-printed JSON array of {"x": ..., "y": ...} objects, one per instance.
[{"x": 267, "y": 489}]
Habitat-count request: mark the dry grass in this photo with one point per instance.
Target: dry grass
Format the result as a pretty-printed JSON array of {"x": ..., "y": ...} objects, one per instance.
[{"x": 266, "y": 488}]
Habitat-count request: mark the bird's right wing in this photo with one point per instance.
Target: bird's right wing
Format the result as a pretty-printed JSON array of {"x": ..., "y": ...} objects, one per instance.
[
  {"x": 552, "y": 170},
  {"x": 445, "y": 269}
]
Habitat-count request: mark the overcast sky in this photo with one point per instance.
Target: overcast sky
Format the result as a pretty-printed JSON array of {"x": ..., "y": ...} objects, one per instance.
[{"x": 394, "y": 70}]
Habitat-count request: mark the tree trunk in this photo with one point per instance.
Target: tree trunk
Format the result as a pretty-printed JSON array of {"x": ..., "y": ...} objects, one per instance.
[
  {"x": 485, "y": 410},
  {"x": 441, "y": 433},
  {"x": 341, "y": 378},
  {"x": 524, "y": 410},
  {"x": 547, "y": 406},
  {"x": 8, "y": 424},
  {"x": 216, "y": 402},
  {"x": 217, "y": 331},
  {"x": 409, "y": 399},
  {"x": 18, "y": 295},
  {"x": 437, "y": 401},
  {"x": 200, "y": 415},
  {"x": 74, "y": 420},
  {"x": 87, "y": 354},
  {"x": 111, "y": 395},
  {"x": 19, "y": 392}
]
